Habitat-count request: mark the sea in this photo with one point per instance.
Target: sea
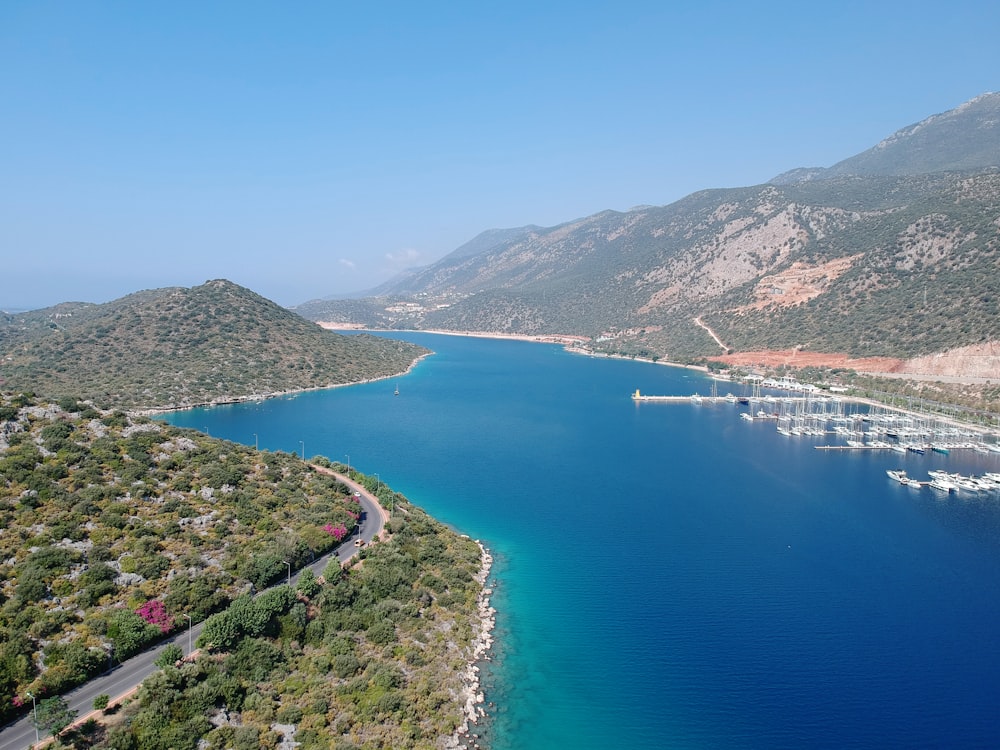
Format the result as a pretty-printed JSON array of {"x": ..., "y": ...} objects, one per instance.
[{"x": 669, "y": 575}]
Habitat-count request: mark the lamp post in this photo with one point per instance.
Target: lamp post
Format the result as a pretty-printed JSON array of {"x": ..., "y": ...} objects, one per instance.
[
  {"x": 348, "y": 466},
  {"x": 289, "y": 565},
  {"x": 255, "y": 447},
  {"x": 303, "y": 444},
  {"x": 34, "y": 712},
  {"x": 190, "y": 622}
]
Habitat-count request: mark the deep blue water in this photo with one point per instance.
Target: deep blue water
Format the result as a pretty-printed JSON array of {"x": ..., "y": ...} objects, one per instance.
[{"x": 669, "y": 574}]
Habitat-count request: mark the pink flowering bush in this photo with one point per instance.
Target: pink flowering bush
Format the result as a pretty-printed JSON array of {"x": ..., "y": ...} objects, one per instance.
[
  {"x": 155, "y": 613},
  {"x": 338, "y": 532}
]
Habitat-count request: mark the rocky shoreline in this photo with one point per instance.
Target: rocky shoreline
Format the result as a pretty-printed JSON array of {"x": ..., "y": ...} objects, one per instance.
[{"x": 465, "y": 736}]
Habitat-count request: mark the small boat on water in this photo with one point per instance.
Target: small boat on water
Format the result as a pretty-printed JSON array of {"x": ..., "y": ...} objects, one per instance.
[{"x": 898, "y": 474}]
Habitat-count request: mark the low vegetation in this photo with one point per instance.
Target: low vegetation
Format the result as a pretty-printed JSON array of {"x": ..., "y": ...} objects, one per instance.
[{"x": 114, "y": 529}]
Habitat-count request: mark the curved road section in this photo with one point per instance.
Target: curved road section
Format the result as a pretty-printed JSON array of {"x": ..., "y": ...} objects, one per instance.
[{"x": 127, "y": 676}]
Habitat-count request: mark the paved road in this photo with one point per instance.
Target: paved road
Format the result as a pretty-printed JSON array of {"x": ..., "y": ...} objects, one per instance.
[{"x": 128, "y": 675}]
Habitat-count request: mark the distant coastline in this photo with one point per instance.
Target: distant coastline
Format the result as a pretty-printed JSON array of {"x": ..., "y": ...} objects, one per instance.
[
  {"x": 227, "y": 400},
  {"x": 571, "y": 342}
]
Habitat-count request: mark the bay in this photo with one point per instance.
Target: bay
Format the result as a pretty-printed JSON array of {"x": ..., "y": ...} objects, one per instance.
[{"x": 669, "y": 575}]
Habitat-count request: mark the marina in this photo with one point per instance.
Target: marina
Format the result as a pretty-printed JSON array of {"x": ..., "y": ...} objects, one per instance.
[{"x": 855, "y": 424}]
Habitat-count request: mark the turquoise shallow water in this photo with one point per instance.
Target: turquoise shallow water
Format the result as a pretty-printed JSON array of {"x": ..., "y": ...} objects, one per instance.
[{"x": 670, "y": 575}]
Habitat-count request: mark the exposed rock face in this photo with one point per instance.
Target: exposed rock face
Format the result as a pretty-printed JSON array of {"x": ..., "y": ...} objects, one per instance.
[{"x": 977, "y": 361}]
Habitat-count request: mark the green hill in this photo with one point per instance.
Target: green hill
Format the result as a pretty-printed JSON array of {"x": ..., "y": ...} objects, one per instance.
[{"x": 179, "y": 347}]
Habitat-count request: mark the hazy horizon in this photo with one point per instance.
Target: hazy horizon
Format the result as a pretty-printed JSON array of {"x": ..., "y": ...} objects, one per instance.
[{"x": 318, "y": 152}]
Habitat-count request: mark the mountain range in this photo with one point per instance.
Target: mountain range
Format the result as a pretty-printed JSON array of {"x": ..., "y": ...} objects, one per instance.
[{"x": 892, "y": 252}]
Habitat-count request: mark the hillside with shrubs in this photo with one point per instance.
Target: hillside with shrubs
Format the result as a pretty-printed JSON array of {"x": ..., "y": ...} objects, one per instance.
[{"x": 114, "y": 529}]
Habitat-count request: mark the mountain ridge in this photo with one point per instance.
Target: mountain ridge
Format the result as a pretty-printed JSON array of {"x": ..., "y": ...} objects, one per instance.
[{"x": 919, "y": 211}]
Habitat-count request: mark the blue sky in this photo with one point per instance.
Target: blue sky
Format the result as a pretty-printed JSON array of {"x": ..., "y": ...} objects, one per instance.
[{"x": 316, "y": 148}]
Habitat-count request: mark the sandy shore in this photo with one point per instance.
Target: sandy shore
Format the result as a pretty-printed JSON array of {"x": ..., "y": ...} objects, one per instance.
[{"x": 482, "y": 643}]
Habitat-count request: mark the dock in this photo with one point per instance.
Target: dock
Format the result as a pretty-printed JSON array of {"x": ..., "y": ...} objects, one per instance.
[
  {"x": 678, "y": 399},
  {"x": 697, "y": 398}
]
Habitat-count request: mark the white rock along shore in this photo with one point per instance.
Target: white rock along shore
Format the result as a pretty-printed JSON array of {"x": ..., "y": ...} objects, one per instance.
[{"x": 482, "y": 642}]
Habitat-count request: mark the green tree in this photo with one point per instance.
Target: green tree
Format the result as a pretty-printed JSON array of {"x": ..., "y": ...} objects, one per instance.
[
  {"x": 171, "y": 654},
  {"x": 307, "y": 585},
  {"x": 53, "y": 715},
  {"x": 130, "y": 633}
]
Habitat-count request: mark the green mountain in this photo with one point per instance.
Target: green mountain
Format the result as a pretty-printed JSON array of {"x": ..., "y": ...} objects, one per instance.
[
  {"x": 967, "y": 137},
  {"x": 180, "y": 347},
  {"x": 891, "y": 252}
]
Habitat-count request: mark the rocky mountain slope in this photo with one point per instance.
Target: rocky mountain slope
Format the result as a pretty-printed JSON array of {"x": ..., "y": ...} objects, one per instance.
[
  {"x": 893, "y": 252},
  {"x": 179, "y": 347}
]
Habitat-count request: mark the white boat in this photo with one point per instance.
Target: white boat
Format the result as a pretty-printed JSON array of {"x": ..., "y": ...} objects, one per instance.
[
  {"x": 988, "y": 483},
  {"x": 966, "y": 483},
  {"x": 942, "y": 484},
  {"x": 898, "y": 474}
]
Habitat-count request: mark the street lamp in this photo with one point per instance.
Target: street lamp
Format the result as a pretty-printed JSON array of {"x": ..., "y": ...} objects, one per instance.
[
  {"x": 289, "y": 571},
  {"x": 255, "y": 447},
  {"x": 190, "y": 622},
  {"x": 34, "y": 711},
  {"x": 348, "y": 467},
  {"x": 303, "y": 444}
]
